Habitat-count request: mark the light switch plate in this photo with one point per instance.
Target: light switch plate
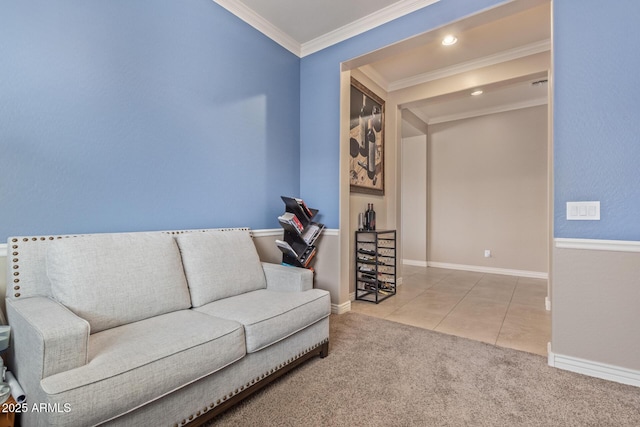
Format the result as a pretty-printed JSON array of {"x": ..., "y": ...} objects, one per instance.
[{"x": 583, "y": 211}]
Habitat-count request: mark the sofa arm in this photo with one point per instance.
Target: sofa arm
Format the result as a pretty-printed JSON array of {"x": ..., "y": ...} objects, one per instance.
[
  {"x": 47, "y": 338},
  {"x": 287, "y": 279}
]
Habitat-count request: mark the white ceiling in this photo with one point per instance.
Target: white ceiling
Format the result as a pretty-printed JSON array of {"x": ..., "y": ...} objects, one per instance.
[
  {"x": 496, "y": 42},
  {"x": 305, "y": 26},
  {"x": 518, "y": 29},
  {"x": 307, "y": 20}
]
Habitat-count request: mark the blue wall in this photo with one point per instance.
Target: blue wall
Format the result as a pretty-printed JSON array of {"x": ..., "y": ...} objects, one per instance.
[
  {"x": 133, "y": 114},
  {"x": 597, "y": 116},
  {"x": 139, "y": 115}
]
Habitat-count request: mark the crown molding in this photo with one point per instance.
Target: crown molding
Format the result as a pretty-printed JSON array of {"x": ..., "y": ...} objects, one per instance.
[
  {"x": 487, "y": 111},
  {"x": 354, "y": 28},
  {"x": 486, "y": 61},
  {"x": 364, "y": 24},
  {"x": 376, "y": 77},
  {"x": 259, "y": 23},
  {"x": 410, "y": 117}
]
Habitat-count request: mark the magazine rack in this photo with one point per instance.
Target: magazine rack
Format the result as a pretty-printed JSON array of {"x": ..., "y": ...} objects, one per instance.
[{"x": 300, "y": 233}]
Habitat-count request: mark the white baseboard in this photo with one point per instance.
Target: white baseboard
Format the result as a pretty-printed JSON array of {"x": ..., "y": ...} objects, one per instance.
[
  {"x": 341, "y": 308},
  {"x": 593, "y": 369},
  {"x": 417, "y": 263},
  {"x": 490, "y": 270}
]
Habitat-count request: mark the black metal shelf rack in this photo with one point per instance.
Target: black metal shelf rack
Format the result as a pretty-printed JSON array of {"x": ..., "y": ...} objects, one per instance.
[{"x": 375, "y": 252}]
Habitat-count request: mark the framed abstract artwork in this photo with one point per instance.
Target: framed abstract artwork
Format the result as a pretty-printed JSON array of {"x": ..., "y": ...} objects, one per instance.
[{"x": 366, "y": 140}]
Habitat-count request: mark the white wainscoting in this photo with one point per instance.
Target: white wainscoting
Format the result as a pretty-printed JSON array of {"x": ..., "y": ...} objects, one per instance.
[{"x": 608, "y": 259}]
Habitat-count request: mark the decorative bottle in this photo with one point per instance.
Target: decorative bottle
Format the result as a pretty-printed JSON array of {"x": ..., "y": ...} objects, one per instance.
[
  {"x": 367, "y": 218},
  {"x": 372, "y": 221}
]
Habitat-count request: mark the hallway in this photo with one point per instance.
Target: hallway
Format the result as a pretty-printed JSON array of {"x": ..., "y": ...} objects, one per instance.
[{"x": 506, "y": 311}]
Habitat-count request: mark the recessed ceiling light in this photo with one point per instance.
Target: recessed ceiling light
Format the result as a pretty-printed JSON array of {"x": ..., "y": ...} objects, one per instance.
[
  {"x": 449, "y": 40},
  {"x": 477, "y": 92}
]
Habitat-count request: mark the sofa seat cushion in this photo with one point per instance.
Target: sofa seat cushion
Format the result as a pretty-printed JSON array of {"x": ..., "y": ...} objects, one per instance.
[
  {"x": 270, "y": 316},
  {"x": 219, "y": 264},
  {"x": 114, "y": 279},
  {"x": 139, "y": 362}
]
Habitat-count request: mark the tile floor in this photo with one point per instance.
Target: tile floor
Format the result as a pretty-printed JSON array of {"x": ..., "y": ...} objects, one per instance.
[{"x": 507, "y": 311}]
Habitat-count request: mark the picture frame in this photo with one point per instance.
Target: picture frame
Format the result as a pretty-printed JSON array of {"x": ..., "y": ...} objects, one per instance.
[{"x": 366, "y": 140}]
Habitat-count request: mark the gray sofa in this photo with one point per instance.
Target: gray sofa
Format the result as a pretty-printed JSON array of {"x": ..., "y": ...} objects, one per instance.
[{"x": 153, "y": 328}]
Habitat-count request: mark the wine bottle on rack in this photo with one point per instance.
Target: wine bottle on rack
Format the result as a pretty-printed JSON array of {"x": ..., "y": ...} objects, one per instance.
[
  {"x": 372, "y": 218},
  {"x": 366, "y": 217}
]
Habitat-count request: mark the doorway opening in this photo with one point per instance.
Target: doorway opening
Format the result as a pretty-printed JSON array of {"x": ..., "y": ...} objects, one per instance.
[{"x": 427, "y": 91}]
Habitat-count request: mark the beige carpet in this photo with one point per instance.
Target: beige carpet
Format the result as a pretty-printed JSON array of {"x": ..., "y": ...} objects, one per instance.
[{"x": 381, "y": 373}]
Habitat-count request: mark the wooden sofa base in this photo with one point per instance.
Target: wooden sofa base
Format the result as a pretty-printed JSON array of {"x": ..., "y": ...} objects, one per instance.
[{"x": 224, "y": 404}]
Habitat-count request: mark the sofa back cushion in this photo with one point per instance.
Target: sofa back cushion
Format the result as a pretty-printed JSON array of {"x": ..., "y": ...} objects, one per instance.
[
  {"x": 115, "y": 279},
  {"x": 220, "y": 264}
]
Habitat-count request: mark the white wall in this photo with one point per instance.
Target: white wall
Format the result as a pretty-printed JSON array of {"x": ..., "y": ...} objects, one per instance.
[{"x": 413, "y": 174}]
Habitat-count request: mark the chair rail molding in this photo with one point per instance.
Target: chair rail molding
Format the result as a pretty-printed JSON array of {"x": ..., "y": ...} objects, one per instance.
[
  {"x": 598, "y": 245},
  {"x": 256, "y": 233}
]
